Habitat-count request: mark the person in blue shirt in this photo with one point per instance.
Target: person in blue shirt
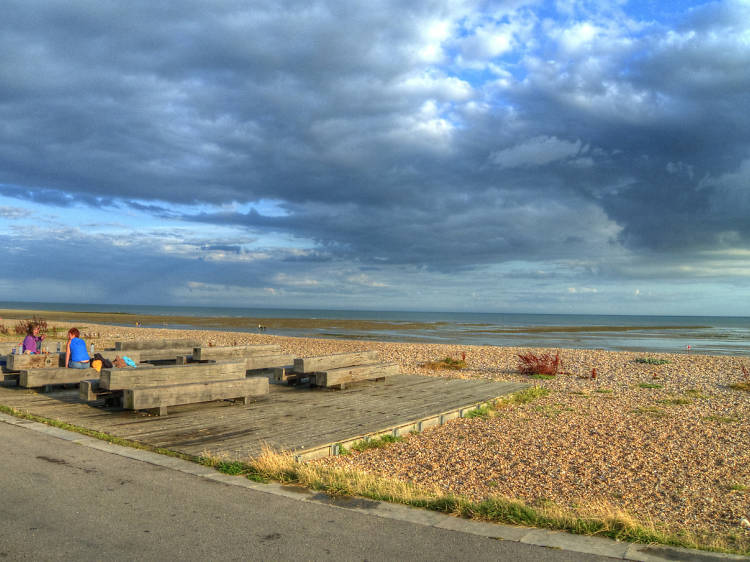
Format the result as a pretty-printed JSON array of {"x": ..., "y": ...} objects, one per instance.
[{"x": 76, "y": 356}]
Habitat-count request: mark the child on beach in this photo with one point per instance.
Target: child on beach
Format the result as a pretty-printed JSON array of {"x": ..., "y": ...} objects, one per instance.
[
  {"x": 32, "y": 343},
  {"x": 76, "y": 356}
]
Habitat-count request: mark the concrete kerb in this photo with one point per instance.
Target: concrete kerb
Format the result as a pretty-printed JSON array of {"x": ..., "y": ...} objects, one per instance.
[{"x": 537, "y": 537}]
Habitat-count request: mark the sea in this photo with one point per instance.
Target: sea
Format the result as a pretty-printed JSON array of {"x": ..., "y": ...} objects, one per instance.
[{"x": 713, "y": 335}]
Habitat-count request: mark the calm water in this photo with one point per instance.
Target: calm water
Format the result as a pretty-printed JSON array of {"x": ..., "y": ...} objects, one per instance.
[{"x": 704, "y": 334}]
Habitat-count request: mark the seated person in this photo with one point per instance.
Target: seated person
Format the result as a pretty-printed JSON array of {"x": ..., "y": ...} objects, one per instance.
[
  {"x": 32, "y": 343},
  {"x": 76, "y": 356}
]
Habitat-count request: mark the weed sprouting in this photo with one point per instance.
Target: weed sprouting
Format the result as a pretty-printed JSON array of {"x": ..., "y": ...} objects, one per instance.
[
  {"x": 745, "y": 385},
  {"x": 377, "y": 443},
  {"x": 483, "y": 411},
  {"x": 676, "y": 401},
  {"x": 652, "y": 361},
  {"x": 446, "y": 363},
  {"x": 651, "y": 411},
  {"x": 650, "y": 385},
  {"x": 722, "y": 419}
]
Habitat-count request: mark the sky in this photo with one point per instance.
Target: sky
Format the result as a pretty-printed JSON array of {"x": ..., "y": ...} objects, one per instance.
[{"x": 491, "y": 156}]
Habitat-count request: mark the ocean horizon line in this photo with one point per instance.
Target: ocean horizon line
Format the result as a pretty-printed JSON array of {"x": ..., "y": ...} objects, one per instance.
[{"x": 718, "y": 335}]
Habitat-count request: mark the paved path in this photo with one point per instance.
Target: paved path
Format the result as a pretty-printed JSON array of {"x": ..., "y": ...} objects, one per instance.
[{"x": 70, "y": 497}]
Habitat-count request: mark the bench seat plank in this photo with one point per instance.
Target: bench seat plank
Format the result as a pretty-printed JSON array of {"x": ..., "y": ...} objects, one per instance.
[
  {"x": 268, "y": 361},
  {"x": 32, "y": 378},
  {"x": 40, "y": 361},
  {"x": 333, "y": 361},
  {"x": 345, "y": 375}
]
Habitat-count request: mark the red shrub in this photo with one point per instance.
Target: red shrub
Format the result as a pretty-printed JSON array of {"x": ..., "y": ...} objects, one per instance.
[
  {"x": 545, "y": 364},
  {"x": 593, "y": 373}
]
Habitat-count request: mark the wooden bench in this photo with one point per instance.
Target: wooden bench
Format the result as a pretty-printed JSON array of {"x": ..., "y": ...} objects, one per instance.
[
  {"x": 257, "y": 357},
  {"x": 338, "y": 370},
  {"x": 40, "y": 361},
  {"x": 157, "y": 387},
  {"x": 33, "y": 378},
  {"x": 159, "y": 398}
]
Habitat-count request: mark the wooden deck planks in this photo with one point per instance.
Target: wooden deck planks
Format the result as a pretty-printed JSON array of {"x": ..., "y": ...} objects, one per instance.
[{"x": 289, "y": 419}]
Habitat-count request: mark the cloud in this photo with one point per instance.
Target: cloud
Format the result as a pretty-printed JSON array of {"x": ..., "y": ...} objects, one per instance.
[
  {"x": 536, "y": 152},
  {"x": 13, "y": 213},
  {"x": 440, "y": 137}
]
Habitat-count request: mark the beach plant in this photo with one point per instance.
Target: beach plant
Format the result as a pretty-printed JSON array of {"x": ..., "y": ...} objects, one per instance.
[
  {"x": 650, "y": 385},
  {"x": 483, "y": 411},
  {"x": 652, "y": 411},
  {"x": 745, "y": 383},
  {"x": 4, "y": 330},
  {"x": 722, "y": 419},
  {"x": 652, "y": 361},
  {"x": 446, "y": 363},
  {"x": 676, "y": 401},
  {"x": 23, "y": 327},
  {"x": 377, "y": 443},
  {"x": 543, "y": 364}
]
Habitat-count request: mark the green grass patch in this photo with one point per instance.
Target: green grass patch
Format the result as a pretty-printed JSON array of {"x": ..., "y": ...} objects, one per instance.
[
  {"x": 741, "y": 386},
  {"x": 483, "y": 411},
  {"x": 722, "y": 419},
  {"x": 542, "y": 377},
  {"x": 676, "y": 401},
  {"x": 650, "y": 385},
  {"x": 446, "y": 363},
  {"x": 364, "y": 445},
  {"x": 603, "y": 390},
  {"x": 523, "y": 397},
  {"x": 652, "y": 361},
  {"x": 739, "y": 488},
  {"x": 651, "y": 411},
  {"x": 695, "y": 393}
]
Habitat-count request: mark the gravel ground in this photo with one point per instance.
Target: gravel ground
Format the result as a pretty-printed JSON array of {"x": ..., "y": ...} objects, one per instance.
[{"x": 668, "y": 443}]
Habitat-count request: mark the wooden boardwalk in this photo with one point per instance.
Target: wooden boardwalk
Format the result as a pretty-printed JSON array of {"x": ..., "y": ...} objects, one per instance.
[{"x": 309, "y": 422}]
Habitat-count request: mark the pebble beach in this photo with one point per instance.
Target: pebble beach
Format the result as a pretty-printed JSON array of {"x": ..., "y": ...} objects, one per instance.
[{"x": 668, "y": 443}]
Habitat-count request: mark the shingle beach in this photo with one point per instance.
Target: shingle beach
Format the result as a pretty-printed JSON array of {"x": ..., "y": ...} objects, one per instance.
[{"x": 668, "y": 443}]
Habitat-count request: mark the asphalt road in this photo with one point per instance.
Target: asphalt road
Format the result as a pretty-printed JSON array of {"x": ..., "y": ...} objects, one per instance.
[{"x": 64, "y": 501}]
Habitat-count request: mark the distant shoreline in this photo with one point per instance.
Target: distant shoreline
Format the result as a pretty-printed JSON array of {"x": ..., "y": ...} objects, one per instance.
[
  {"x": 156, "y": 320},
  {"x": 647, "y": 334}
]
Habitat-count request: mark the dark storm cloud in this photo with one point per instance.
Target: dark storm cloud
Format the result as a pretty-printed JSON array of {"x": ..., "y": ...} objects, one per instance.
[{"x": 575, "y": 137}]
